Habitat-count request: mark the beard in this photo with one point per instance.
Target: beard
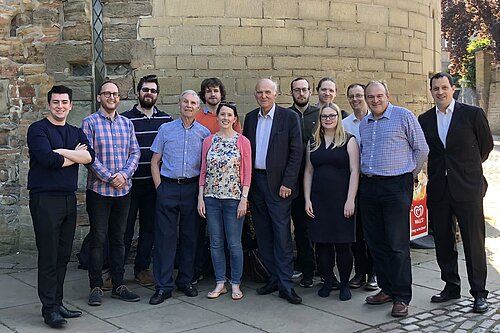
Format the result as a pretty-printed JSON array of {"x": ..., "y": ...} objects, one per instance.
[
  {"x": 300, "y": 103},
  {"x": 147, "y": 103}
]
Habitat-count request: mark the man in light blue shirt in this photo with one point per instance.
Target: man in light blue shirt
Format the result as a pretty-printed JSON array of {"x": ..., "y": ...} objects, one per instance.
[{"x": 177, "y": 148}]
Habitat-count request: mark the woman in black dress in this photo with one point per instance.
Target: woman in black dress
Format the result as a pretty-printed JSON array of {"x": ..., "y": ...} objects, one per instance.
[{"x": 330, "y": 185}]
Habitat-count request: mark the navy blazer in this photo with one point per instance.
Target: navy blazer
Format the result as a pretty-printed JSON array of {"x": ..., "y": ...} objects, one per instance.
[
  {"x": 468, "y": 144},
  {"x": 284, "y": 152}
]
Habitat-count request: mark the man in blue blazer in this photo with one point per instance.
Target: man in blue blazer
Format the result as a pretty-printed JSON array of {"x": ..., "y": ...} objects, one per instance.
[
  {"x": 459, "y": 140},
  {"x": 276, "y": 139}
]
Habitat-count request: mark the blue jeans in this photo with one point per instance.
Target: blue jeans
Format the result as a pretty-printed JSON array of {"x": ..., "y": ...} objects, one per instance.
[{"x": 222, "y": 222}]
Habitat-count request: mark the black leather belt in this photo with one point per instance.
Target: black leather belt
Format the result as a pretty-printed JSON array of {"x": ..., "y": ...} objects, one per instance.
[
  {"x": 261, "y": 171},
  {"x": 379, "y": 177},
  {"x": 180, "y": 181}
]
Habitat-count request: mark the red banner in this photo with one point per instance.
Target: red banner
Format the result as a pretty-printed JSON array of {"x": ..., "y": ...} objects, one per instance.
[{"x": 419, "y": 223}]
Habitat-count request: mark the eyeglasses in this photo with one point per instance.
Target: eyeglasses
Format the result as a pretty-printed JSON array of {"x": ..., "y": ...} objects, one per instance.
[
  {"x": 108, "y": 94},
  {"x": 357, "y": 96},
  {"x": 146, "y": 90},
  {"x": 299, "y": 90},
  {"x": 329, "y": 116}
]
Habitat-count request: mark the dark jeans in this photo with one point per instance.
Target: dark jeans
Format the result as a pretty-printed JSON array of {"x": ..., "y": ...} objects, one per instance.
[
  {"x": 305, "y": 252},
  {"x": 54, "y": 221},
  {"x": 143, "y": 201},
  {"x": 175, "y": 202},
  {"x": 385, "y": 210},
  {"x": 107, "y": 216},
  {"x": 363, "y": 262},
  {"x": 470, "y": 219},
  {"x": 271, "y": 219},
  {"x": 341, "y": 252}
]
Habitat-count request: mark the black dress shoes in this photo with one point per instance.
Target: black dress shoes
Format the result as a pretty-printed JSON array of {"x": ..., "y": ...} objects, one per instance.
[
  {"x": 159, "y": 297},
  {"x": 189, "y": 290},
  {"x": 66, "y": 313},
  {"x": 357, "y": 281},
  {"x": 267, "y": 289},
  {"x": 444, "y": 296},
  {"x": 480, "y": 305},
  {"x": 54, "y": 319},
  {"x": 290, "y": 296}
]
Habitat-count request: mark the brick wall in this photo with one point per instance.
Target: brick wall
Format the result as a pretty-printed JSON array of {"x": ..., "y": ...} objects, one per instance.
[{"x": 184, "y": 42}]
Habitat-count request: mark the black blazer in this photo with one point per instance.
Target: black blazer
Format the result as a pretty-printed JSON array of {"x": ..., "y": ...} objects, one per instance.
[
  {"x": 284, "y": 152},
  {"x": 468, "y": 144}
]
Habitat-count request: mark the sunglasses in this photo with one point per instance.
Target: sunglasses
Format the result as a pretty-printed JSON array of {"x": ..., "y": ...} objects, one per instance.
[{"x": 146, "y": 90}]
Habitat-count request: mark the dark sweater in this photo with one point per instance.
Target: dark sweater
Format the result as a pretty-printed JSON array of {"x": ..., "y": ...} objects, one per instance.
[
  {"x": 145, "y": 131},
  {"x": 46, "y": 174}
]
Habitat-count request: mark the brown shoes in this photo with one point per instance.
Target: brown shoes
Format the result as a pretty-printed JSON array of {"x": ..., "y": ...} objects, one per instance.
[
  {"x": 379, "y": 298},
  {"x": 399, "y": 309},
  {"x": 145, "y": 278}
]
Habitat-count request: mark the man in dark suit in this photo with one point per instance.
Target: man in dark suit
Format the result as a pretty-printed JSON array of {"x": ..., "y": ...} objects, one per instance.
[
  {"x": 276, "y": 139},
  {"x": 459, "y": 139}
]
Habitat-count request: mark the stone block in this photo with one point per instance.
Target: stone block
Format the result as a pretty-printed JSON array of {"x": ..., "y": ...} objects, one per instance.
[
  {"x": 373, "y": 15},
  {"x": 218, "y": 62},
  {"x": 240, "y": 36},
  {"x": 375, "y": 40},
  {"x": 343, "y": 12},
  {"x": 120, "y": 31},
  {"x": 77, "y": 33},
  {"x": 191, "y": 35},
  {"x": 376, "y": 65},
  {"x": 166, "y": 62},
  {"x": 126, "y": 9},
  {"x": 212, "y": 50},
  {"x": 398, "y": 17},
  {"x": 281, "y": 9},
  {"x": 153, "y": 32},
  {"x": 415, "y": 67},
  {"x": 297, "y": 62},
  {"x": 259, "y": 62},
  {"x": 46, "y": 16},
  {"x": 159, "y": 21},
  {"x": 258, "y": 22},
  {"x": 416, "y": 45},
  {"x": 313, "y": 51},
  {"x": 165, "y": 49},
  {"x": 417, "y": 22},
  {"x": 339, "y": 64},
  {"x": 412, "y": 57},
  {"x": 301, "y": 23},
  {"x": 346, "y": 38},
  {"x": 396, "y": 66},
  {"x": 397, "y": 42},
  {"x": 246, "y": 86},
  {"x": 315, "y": 37},
  {"x": 282, "y": 36},
  {"x": 314, "y": 10},
  {"x": 383, "y": 54},
  {"x": 215, "y": 21},
  {"x": 243, "y": 8},
  {"x": 355, "y": 53},
  {"x": 192, "y": 62},
  {"x": 181, "y": 8},
  {"x": 59, "y": 56}
]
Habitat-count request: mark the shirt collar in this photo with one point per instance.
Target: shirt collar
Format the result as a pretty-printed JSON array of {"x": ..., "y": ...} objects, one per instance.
[
  {"x": 205, "y": 109},
  {"x": 105, "y": 115},
  {"x": 387, "y": 113},
  {"x": 354, "y": 119},
  {"x": 270, "y": 114},
  {"x": 450, "y": 108}
]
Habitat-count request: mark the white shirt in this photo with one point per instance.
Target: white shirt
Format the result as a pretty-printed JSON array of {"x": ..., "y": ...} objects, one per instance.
[
  {"x": 351, "y": 125},
  {"x": 444, "y": 120},
  {"x": 262, "y": 135}
]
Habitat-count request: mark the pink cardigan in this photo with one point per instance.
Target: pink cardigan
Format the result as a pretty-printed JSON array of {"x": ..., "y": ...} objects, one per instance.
[{"x": 243, "y": 145}]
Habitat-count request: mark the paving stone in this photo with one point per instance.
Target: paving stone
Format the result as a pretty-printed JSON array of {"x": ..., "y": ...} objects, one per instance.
[
  {"x": 438, "y": 312},
  {"x": 425, "y": 315},
  {"x": 411, "y": 328},
  {"x": 460, "y": 331},
  {"x": 431, "y": 329},
  {"x": 468, "y": 324},
  {"x": 454, "y": 314},
  {"x": 441, "y": 318},
  {"x": 487, "y": 323},
  {"x": 425, "y": 323},
  {"x": 410, "y": 320},
  {"x": 389, "y": 326},
  {"x": 479, "y": 330}
]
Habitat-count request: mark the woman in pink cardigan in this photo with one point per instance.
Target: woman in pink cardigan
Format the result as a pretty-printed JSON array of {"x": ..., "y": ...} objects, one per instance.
[{"x": 226, "y": 170}]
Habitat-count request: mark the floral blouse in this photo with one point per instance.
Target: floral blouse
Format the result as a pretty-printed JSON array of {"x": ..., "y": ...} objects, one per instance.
[{"x": 223, "y": 169}]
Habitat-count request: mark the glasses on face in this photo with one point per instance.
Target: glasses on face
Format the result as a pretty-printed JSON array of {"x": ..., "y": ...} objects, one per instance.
[
  {"x": 146, "y": 90},
  {"x": 329, "y": 116},
  {"x": 108, "y": 94},
  {"x": 357, "y": 96},
  {"x": 300, "y": 90}
]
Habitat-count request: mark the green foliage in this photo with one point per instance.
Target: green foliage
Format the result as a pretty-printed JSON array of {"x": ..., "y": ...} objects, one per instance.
[{"x": 468, "y": 63}]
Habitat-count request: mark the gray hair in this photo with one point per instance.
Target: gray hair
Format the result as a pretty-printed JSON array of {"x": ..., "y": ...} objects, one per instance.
[
  {"x": 382, "y": 82},
  {"x": 189, "y": 92}
]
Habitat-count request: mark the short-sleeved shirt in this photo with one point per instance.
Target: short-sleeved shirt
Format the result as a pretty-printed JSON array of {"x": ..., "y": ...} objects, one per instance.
[{"x": 180, "y": 148}]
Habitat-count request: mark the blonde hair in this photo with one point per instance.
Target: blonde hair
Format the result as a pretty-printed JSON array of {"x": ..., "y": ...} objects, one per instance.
[{"x": 339, "y": 138}]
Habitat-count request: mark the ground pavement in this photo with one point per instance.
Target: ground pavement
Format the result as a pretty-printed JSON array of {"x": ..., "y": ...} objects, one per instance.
[{"x": 20, "y": 308}]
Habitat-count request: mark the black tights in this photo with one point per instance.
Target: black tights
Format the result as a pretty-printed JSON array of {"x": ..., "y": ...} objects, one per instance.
[{"x": 326, "y": 253}]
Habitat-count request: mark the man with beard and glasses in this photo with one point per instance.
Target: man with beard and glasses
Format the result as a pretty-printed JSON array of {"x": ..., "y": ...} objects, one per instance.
[
  {"x": 308, "y": 114},
  {"x": 146, "y": 119},
  {"x": 212, "y": 92}
]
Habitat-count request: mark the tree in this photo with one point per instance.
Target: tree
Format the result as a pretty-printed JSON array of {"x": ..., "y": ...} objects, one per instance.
[{"x": 464, "y": 19}]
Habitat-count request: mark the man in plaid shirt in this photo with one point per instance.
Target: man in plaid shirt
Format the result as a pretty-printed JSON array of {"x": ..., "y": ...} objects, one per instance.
[{"x": 109, "y": 181}]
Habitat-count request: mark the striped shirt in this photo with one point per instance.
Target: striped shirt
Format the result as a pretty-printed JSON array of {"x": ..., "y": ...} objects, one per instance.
[
  {"x": 145, "y": 132},
  {"x": 393, "y": 144},
  {"x": 116, "y": 150},
  {"x": 180, "y": 148}
]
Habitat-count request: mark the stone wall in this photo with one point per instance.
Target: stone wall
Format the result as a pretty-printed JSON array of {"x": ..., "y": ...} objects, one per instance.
[
  {"x": 493, "y": 110},
  {"x": 44, "y": 41}
]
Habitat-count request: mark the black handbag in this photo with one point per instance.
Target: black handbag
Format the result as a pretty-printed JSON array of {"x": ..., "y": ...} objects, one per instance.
[{"x": 254, "y": 267}]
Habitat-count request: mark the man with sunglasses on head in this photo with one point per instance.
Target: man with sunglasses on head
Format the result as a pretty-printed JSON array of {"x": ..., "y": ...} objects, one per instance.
[
  {"x": 147, "y": 118},
  {"x": 109, "y": 181}
]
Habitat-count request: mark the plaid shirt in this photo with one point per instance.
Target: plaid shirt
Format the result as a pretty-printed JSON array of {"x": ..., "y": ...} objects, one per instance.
[
  {"x": 392, "y": 145},
  {"x": 116, "y": 150}
]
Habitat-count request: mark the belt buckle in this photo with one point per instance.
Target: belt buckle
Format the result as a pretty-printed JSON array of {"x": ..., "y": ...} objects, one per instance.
[{"x": 180, "y": 181}]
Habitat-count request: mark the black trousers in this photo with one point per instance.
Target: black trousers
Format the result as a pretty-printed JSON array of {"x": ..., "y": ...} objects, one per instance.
[
  {"x": 305, "y": 251},
  {"x": 363, "y": 262},
  {"x": 107, "y": 216},
  {"x": 54, "y": 221},
  {"x": 470, "y": 219},
  {"x": 385, "y": 210},
  {"x": 327, "y": 254}
]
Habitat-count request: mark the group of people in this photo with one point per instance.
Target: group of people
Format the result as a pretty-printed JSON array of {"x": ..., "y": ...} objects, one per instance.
[{"x": 344, "y": 180}]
